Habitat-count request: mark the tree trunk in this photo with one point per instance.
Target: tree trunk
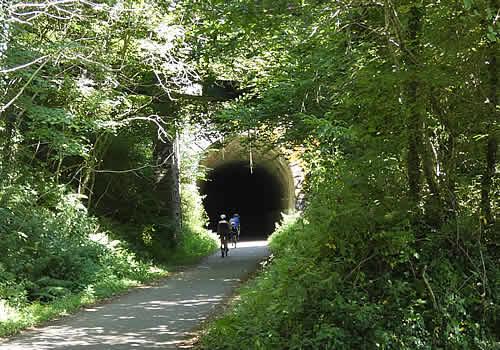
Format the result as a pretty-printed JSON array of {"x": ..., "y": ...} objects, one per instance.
[
  {"x": 4, "y": 28},
  {"x": 86, "y": 185},
  {"x": 414, "y": 115},
  {"x": 434, "y": 205},
  {"x": 414, "y": 142},
  {"x": 492, "y": 141},
  {"x": 10, "y": 120},
  {"x": 176, "y": 181},
  {"x": 167, "y": 184},
  {"x": 487, "y": 181},
  {"x": 447, "y": 157},
  {"x": 449, "y": 167}
]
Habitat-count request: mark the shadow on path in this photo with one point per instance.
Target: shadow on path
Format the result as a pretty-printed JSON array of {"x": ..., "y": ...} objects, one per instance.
[{"x": 152, "y": 317}]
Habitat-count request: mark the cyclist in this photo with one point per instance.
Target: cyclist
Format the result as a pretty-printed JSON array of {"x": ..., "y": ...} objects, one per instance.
[
  {"x": 223, "y": 230},
  {"x": 235, "y": 228}
]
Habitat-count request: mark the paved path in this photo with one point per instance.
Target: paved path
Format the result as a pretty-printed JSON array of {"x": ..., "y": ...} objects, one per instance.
[{"x": 156, "y": 317}]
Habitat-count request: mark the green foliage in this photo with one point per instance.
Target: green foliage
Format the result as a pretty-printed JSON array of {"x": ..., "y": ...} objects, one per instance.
[
  {"x": 58, "y": 258},
  {"x": 345, "y": 276},
  {"x": 393, "y": 106},
  {"x": 55, "y": 252},
  {"x": 15, "y": 320},
  {"x": 196, "y": 240},
  {"x": 132, "y": 206}
]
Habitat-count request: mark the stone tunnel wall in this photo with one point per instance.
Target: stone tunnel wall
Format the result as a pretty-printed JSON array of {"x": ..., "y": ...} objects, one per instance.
[
  {"x": 273, "y": 188},
  {"x": 288, "y": 172}
]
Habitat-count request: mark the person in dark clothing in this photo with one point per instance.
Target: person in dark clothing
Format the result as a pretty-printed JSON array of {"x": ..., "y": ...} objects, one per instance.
[{"x": 223, "y": 230}]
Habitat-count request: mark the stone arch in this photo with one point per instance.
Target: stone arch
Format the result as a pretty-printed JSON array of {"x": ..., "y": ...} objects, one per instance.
[{"x": 268, "y": 182}]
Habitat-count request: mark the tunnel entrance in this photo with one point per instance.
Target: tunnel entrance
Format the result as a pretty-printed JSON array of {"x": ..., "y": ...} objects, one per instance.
[
  {"x": 257, "y": 196},
  {"x": 274, "y": 185}
]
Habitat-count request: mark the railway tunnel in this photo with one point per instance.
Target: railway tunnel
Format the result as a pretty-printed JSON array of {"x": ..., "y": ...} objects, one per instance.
[{"x": 258, "y": 192}]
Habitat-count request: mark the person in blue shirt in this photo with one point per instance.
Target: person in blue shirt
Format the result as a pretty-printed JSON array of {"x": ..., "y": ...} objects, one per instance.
[{"x": 235, "y": 228}]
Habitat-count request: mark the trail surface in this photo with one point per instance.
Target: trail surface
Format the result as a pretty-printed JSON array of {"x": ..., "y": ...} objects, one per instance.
[{"x": 154, "y": 317}]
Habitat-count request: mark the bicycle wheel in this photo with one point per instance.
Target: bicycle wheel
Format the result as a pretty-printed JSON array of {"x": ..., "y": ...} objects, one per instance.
[{"x": 233, "y": 239}]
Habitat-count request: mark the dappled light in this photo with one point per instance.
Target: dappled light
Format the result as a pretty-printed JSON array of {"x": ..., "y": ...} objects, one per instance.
[
  {"x": 153, "y": 317},
  {"x": 360, "y": 137}
]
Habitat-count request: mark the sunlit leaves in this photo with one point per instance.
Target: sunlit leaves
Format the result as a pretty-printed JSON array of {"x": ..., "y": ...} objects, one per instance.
[
  {"x": 332, "y": 77},
  {"x": 468, "y": 4},
  {"x": 492, "y": 35}
]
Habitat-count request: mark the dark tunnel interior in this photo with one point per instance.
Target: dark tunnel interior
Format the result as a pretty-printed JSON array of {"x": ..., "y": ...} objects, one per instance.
[{"x": 256, "y": 197}]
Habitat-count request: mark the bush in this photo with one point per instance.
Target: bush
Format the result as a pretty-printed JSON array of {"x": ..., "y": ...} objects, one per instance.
[
  {"x": 54, "y": 251},
  {"x": 195, "y": 241},
  {"x": 352, "y": 273},
  {"x": 57, "y": 257}
]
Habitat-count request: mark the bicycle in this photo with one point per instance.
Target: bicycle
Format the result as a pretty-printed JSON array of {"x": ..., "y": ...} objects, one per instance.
[
  {"x": 234, "y": 236},
  {"x": 223, "y": 245}
]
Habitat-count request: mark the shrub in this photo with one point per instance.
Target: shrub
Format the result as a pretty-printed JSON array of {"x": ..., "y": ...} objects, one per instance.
[
  {"x": 54, "y": 251},
  {"x": 351, "y": 273}
]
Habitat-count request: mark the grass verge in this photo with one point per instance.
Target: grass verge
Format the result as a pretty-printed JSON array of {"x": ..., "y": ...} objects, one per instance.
[
  {"x": 15, "y": 320},
  {"x": 120, "y": 272}
]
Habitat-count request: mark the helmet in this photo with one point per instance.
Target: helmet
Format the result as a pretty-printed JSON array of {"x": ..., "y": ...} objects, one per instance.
[
  {"x": 222, "y": 216},
  {"x": 236, "y": 214}
]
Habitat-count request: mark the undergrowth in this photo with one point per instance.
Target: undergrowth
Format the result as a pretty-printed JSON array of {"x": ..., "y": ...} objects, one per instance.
[
  {"x": 56, "y": 258},
  {"x": 353, "y": 273}
]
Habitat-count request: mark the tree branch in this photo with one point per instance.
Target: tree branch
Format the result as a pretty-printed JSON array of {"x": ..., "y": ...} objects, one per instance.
[
  {"x": 4, "y": 107},
  {"x": 13, "y": 69}
]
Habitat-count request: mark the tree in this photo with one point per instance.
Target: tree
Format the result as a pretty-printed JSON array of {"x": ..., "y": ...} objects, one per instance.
[{"x": 95, "y": 71}]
